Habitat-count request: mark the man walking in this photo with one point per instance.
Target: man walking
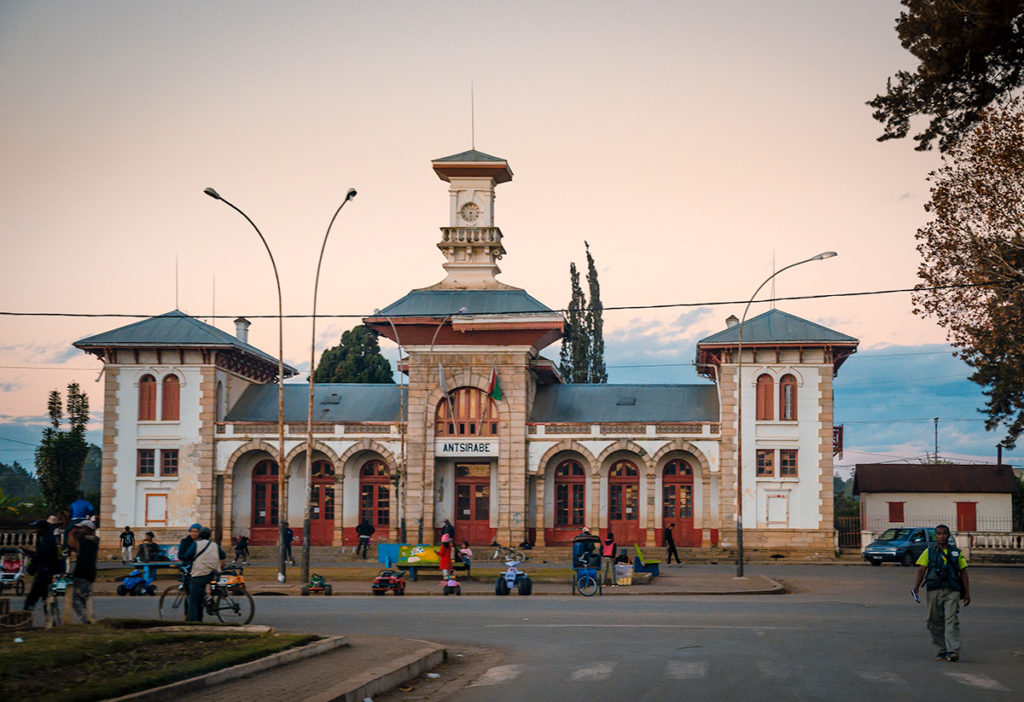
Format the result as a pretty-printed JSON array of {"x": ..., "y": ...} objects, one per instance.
[
  {"x": 45, "y": 561},
  {"x": 365, "y": 531},
  {"x": 670, "y": 544},
  {"x": 944, "y": 572},
  {"x": 289, "y": 536},
  {"x": 85, "y": 569},
  {"x": 127, "y": 544}
]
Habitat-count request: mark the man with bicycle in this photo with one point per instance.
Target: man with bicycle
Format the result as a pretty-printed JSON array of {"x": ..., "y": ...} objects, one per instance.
[{"x": 207, "y": 559}]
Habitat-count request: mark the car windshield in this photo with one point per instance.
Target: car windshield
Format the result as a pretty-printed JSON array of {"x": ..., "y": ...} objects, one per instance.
[{"x": 894, "y": 535}]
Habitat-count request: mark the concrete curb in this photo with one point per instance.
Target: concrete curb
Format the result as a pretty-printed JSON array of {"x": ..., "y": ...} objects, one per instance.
[
  {"x": 389, "y": 675},
  {"x": 177, "y": 689}
]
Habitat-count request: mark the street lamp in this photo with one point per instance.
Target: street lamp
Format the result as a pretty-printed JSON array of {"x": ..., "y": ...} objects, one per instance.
[
  {"x": 400, "y": 470},
  {"x": 739, "y": 409},
  {"x": 308, "y": 505},
  {"x": 281, "y": 470},
  {"x": 428, "y": 419}
]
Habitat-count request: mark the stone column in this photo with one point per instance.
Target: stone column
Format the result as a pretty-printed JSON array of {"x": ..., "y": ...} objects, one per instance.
[{"x": 541, "y": 507}]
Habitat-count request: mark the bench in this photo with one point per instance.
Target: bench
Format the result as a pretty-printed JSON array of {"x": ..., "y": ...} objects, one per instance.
[
  {"x": 412, "y": 558},
  {"x": 645, "y": 565}
]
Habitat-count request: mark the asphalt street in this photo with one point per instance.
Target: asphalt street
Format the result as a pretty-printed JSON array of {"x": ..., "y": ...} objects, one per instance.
[{"x": 850, "y": 632}]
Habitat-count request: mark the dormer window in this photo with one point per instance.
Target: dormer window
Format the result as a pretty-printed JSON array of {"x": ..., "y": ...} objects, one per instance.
[
  {"x": 170, "y": 406},
  {"x": 787, "y": 398},
  {"x": 765, "y": 397},
  {"x": 147, "y": 398}
]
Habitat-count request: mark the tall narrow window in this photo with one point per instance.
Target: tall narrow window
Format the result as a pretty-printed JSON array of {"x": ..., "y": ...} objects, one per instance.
[
  {"x": 169, "y": 411},
  {"x": 475, "y": 414},
  {"x": 787, "y": 397},
  {"x": 765, "y": 397},
  {"x": 766, "y": 463},
  {"x": 147, "y": 398}
]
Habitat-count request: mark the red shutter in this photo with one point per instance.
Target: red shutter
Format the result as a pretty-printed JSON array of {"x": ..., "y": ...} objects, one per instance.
[
  {"x": 169, "y": 409},
  {"x": 966, "y": 516},
  {"x": 147, "y": 398},
  {"x": 765, "y": 401},
  {"x": 895, "y": 512}
]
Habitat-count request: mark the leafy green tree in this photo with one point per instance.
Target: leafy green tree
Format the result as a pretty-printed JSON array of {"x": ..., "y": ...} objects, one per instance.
[
  {"x": 8, "y": 503},
  {"x": 61, "y": 453},
  {"x": 972, "y": 269},
  {"x": 357, "y": 359},
  {"x": 971, "y": 54},
  {"x": 17, "y": 482},
  {"x": 597, "y": 373}
]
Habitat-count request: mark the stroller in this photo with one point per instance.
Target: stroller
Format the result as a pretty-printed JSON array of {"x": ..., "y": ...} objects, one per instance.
[{"x": 12, "y": 569}]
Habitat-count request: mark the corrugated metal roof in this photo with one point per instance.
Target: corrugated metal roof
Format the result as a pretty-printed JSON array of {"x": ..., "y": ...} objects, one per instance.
[
  {"x": 958, "y": 477},
  {"x": 332, "y": 402},
  {"x": 471, "y": 156},
  {"x": 174, "y": 329},
  {"x": 778, "y": 326},
  {"x": 625, "y": 403},
  {"x": 441, "y": 303}
]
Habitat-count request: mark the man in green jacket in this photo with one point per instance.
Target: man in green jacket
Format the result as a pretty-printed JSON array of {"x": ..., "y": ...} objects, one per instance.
[{"x": 944, "y": 571}]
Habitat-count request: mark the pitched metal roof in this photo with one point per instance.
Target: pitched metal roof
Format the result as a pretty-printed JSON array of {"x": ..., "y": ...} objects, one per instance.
[
  {"x": 775, "y": 326},
  {"x": 332, "y": 402},
  {"x": 957, "y": 477},
  {"x": 441, "y": 303},
  {"x": 578, "y": 402},
  {"x": 175, "y": 329},
  {"x": 471, "y": 156}
]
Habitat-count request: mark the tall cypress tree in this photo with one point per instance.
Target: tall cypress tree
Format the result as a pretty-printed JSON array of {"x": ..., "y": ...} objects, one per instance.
[
  {"x": 597, "y": 373},
  {"x": 61, "y": 454},
  {"x": 574, "y": 358}
]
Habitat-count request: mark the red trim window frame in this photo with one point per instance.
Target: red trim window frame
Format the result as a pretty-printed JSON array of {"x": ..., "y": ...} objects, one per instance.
[
  {"x": 896, "y": 512},
  {"x": 570, "y": 494},
  {"x": 147, "y": 398},
  {"x": 145, "y": 463},
  {"x": 374, "y": 494},
  {"x": 476, "y": 414},
  {"x": 169, "y": 463},
  {"x": 788, "y": 463},
  {"x": 265, "y": 494},
  {"x": 170, "y": 404},
  {"x": 766, "y": 463},
  {"x": 150, "y": 520},
  {"x": 787, "y": 398},
  {"x": 765, "y": 397}
]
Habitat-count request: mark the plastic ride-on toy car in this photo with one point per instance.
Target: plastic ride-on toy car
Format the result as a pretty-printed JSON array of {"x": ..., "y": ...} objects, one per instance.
[
  {"x": 135, "y": 583},
  {"x": 513, "y": 578},
  {"x": 451, "y": 586},
  {"x": 387, "y": 579},
  {"x": 317, "y": 583}
]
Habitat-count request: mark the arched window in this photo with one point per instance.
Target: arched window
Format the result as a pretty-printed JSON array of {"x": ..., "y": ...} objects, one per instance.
[
  {"x": 787, "y": 397},
  {"x": 623, "y": 469},
  {"x": 765, "y": 397},
  {"x": 169, "y": 411},
  {"x": 374, "y": 497},
  {"x": 570, "y": 489},
  {"x": 264, "y": 494},
  {"x": 147, "y": 398},
  {"x": 475, "y": 414}
]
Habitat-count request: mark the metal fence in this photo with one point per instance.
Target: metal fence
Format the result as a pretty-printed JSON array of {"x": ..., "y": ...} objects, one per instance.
[
  {"x": 981, "y": 524},
  {"x": 849, "y": 531}
]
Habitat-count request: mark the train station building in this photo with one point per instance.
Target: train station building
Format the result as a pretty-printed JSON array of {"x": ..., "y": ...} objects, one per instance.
[{"x": 484, "y": 433}]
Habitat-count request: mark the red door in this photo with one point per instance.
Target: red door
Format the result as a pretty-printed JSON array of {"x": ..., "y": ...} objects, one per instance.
[
  {"x": 374, "y": 498},
  {"x": 624, "y": 504},
  {"x": 677, "y": 503},
  {"x": 472, "y": 520},
  {"x": 321, "y": 524},
  {"x": 263, "y": 527},
  {"x": 966, "y": 516},
  {"x": 570, "y": 500}
]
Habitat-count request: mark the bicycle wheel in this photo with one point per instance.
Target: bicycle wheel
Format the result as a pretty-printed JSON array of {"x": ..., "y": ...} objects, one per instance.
[
  {"x": 494, "y": 555},
  {"x": 234, "y": 608},
  {"x": 518, "y": 555},
  {"x": 586, "y": 585},
  {"x": 172, "y": 604}
]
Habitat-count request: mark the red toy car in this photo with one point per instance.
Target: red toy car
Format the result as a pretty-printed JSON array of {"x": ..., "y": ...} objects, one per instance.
[{"x": 388, "y": 579}]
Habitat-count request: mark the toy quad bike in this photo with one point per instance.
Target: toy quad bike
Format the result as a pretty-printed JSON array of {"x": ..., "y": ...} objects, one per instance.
[
  {"x": 513, "y": 578},
  {"x": 451, "y": 586},
  {"x": 387, "y": 579},
  {"x": 317, "y": 583},
  {"x": 135, "y": 583}
]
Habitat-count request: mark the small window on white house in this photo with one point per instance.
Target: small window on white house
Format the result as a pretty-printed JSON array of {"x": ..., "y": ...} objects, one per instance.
[
  {"x": 778, "y": 509},
  {"x": 156, "y": 508}
]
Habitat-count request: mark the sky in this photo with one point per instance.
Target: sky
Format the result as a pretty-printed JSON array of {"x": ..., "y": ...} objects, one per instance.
[{"x": 696, "y": 146}]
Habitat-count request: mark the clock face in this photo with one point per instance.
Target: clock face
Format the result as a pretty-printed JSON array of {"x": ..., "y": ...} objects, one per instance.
[{"x": 470, "y": 212}]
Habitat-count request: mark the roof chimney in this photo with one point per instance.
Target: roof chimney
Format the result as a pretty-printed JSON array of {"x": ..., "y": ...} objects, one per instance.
[
  {"x": 242, "y": 329},
  {"x": 731, "y": 321}
]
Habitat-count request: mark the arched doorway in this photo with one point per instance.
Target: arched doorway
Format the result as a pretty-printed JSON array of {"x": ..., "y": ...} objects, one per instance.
[
  {"x": 321, "y": 524},
  {"x": 472, "y": 520},
  {"x": 570, "y": 498},
  {"x": 263, "y": 526},
  {"x": 624, "y": 503},
  {"x": 375, "y": 496},
  {"x": 677, "y": 502}
]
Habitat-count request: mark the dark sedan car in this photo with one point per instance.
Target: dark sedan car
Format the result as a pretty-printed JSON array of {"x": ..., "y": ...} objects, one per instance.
[{"x": 901, "y": 545}]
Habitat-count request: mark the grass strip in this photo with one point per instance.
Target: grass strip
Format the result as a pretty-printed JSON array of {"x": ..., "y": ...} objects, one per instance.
[{"x": 115, "y": 658}]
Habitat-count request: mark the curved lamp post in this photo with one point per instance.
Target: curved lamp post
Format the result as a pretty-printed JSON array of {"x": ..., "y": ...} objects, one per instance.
[
  {"x": 426, "y": 421},
  {"x": 739, "y": 409},
  {"x": 400, "y": 470},
  {"x": 282, "y": 509},
  {"x": 308, "y": 505}
]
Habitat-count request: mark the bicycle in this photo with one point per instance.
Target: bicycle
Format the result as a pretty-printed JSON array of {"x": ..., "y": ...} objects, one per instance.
[
  {"x": 498, "y": 553},
  {"x": 227, "y": 599}
]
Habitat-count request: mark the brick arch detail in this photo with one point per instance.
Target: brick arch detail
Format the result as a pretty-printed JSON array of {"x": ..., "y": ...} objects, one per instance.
[
  {"x": 248, "y": 447},
  {"x": 625, "y": 446},
  {"x": 663, "y": 455},
  {"x": 566, "y": 445},
  {"x": 323, "y": 448},
  {"x": 364, "y": 446},
  {"x": 465, "y": 379}
]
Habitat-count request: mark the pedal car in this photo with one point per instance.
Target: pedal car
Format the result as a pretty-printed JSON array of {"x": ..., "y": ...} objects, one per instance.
[
  {"x": 12, "y": 569},
  {"x": 387, "y": 579},
  {"x": 135, "y": 583},
  {"x": 317, "y": 583},
  {"x": 451, "y": 587},
  {"x": 61, "y": 583},
  {"x": 513, "y": 578}
]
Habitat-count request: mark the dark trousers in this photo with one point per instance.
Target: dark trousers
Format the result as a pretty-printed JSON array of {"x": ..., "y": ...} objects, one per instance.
[
  {"x": 196, "y": 595},
  {"x": 40, "y": 586},
  {"x": 672, "y": 552},
  {"x": 288, "y": 553},
  {"x": 364, "y": 543}
]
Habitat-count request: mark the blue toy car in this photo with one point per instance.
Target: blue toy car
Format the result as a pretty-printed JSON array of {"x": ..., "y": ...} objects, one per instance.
[{"x": 135, "y": 583}]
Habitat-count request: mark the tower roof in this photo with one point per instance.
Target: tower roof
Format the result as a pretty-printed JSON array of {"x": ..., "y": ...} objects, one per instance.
[
  {"x": 472, "y": 164},
  {"x": 776, "y": 326}
]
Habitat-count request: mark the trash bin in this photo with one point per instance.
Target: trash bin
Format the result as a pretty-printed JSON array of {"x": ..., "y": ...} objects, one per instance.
[{"x": 623, "y": 574}]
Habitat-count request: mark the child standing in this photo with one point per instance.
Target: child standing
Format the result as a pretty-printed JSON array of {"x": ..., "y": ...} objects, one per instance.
[
  {"x": 444, "y": 555},
  {"x": 127, "y": 544}
]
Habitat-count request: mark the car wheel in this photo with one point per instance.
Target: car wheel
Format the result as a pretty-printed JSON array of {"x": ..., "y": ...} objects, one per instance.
[
  {"x": 304, "y": 591},
  {"x": 876, "y": 562},
  {"x": 908, "y": 559},
  {"x": 378, "y": 593},
  {"x": 151, "y": 590},
  {"x": 328, "y": 590},
  {"x": 500, "y": 587},
  {"x": 525, "y": 586},
  {"x": 399, "y": 591},
  {"x": 122, "y": 590}
]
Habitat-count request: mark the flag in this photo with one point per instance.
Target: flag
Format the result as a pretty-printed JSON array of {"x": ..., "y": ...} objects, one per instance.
[
  {"x": 494, "y": 387},
  {"x": 444, "y": 389}
]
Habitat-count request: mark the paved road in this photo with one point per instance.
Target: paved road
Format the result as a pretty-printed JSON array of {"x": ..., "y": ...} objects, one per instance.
[{"x": 846, "y": 632}]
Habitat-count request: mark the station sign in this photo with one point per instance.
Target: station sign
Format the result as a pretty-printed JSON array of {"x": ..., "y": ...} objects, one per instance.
[{"x": 461, "y": 448}]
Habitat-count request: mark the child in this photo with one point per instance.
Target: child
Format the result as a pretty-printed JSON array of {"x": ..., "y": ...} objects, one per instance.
[
  {"x": 444, "y": 556},
  {"x": 466, "y": 554},
  {"x": 242, "y": 550}
]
